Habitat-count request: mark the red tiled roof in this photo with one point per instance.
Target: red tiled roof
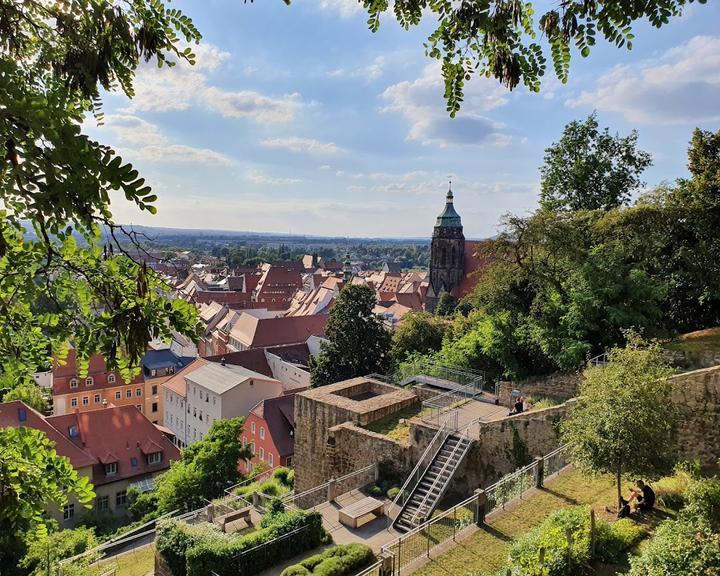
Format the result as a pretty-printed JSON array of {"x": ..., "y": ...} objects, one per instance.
[
  {"x": 256, "y": 332},
  {"x": 10, "y": 418},
  {"x": 120, "y": 432},
  {"x": 253, "y": 359},
  {"x": 477, "y": 260},
  {"x": 62, "y": 374},
  {"x": 278, "y": 414}
]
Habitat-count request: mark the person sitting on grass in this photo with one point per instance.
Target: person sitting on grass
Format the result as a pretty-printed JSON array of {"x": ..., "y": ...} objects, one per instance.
[
  {"x": 645, "y": 497},
  {"x": 517, "y": 407}
]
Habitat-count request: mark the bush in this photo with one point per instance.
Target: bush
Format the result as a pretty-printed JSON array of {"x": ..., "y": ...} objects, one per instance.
[
  {"x": 560, "y": 559},
  {"x": 670, "y": 490},
  {"x": 679, "y": 548},
  {"x": 141, "y": 505},
  {"x": 375, "y": 490},
  {"x": 340, "y": 560},
  {"x": 200, "y": 550},
  {"x": 614, "y": 539},
  {"x": 291, "y": 478},
  {"x": 393, "y": 492},
  {"x": 703, "y": 500},
  {"x": 281, "y": 474}
]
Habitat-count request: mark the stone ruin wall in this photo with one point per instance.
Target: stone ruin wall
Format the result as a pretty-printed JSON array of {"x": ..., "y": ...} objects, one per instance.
[{"x": 558, "y": 387}]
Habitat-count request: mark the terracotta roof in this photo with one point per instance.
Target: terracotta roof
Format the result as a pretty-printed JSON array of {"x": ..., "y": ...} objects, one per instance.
[
  {"x": 117, "y": 434},
  {"x": 10, "y": 418},
  {"x": 477, "y": 260},
  {"x": 97, "y": 370},
  {"x": 177, "y": 383},
  {"x": 278, "y": 414},
  {"x": 412, "y": 300},
  {"x": 264, "y": 332},
  {"x": 253, "y": 359}
]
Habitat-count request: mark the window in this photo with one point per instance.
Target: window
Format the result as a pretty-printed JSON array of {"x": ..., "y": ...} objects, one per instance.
[
  {"x": 207, "y": 397},
  {"x": 89, "y": 381},
  {"x": 121, "y": 498},
  {"x": 68, "y": 511},
  {"x": 73, "y": 382},
  {"x": 200, "y": 394},
  {"x": 138, "y": 391},
  {"x": 101, "y": 503},
  {"x": 262, "y": 453},
  {"x": 244, "y": 441},
  {"x": 128, "y": 393},
  {"x": 86, "y": 400},
  {"x": 262, "y": 433},
  {"x": 153, "y": 373},
  {"x": 111, "y": 469},
  {"x": 252, "y": 448},
  {"x": 73, "y": 402},
  {"x": 73, "y": 432},
  {"x": 22, "y": 414},
  {"x": 111, "y": 378},
  {"x": 194, "y": 412},
  {"x": 154, "y": 406},
  {"x": 270, "y": 460},
  {"x": 200, "y": 415},
  {"x": 139, "y": 407},
  {"x": 154, "y": 458},
  {"x": 288, "y": 461},
  {"x": 214, "y": 400},
  {"x": 252, "y": 427},
  {"x": 97, "y": 398},
  {"x": 154, "y": 389},
  {"x": 133, "y": 462}
]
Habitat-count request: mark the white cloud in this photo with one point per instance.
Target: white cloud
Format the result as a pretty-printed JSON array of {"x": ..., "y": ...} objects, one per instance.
[
  {"x": 144, "y": 140},
  {"x": 178, "y": 88},
  {"x": 306, "y": 145},
  {"x": 420, "y": 102},
  {"x": 343, "y": 8},
  {"x": 368, "y": 72},
  {"x": 324, "y": 167},
  {"x": 259, "y": 177},
  {"x": 682, "y": 86},
  {"x": 252, "y": 105}
]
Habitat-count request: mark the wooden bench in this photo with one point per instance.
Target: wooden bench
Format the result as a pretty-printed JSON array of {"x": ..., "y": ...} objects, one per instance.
[
  {"x": 242, "y": 513},
  {"x": 354, "y": 514}
]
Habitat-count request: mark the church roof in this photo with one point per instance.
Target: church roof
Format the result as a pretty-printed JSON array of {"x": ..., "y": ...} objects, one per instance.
[{"x": 449, "y": 218}]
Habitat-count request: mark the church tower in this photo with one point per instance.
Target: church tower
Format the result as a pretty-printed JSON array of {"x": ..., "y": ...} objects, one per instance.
[{"x": 447, "y": 254}]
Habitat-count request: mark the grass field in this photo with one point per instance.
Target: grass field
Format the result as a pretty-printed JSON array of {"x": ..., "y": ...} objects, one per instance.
[
  {"x": 700, "y": 341},
  {"x": 392, "y": 427},
  {"x": 486, "y": 551},
  {"x": 139, "y": 562}
]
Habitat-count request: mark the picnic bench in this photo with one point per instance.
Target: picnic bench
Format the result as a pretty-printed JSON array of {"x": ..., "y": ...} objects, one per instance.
[
  {"x": 357, "y": 513},
  {"x": 225, "y": 519}
]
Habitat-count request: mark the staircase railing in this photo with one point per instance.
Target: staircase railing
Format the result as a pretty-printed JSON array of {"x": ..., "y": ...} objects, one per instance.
[
  {"x": 417, "y": 473},
  {"x": 463, "y": 441}
]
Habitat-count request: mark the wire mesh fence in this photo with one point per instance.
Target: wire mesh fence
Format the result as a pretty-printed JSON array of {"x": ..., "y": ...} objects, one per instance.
[
  {"x": 372, "y": 570},
  {"x": 332, "y": 488}
]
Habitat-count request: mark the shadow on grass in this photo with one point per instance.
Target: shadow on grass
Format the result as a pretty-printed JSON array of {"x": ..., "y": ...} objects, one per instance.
[
  {"x": 495, "y": 533},
  {"x": 571, "y": 501}
]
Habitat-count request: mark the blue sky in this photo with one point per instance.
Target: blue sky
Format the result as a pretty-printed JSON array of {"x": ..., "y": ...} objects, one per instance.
[{"x": 298, "y": 119}]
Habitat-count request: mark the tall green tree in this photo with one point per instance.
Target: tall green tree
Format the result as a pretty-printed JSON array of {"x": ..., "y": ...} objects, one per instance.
[
  {"x": 624, "y": 421},
  {"x": 419, "y": 332},
  {"x": 501, "y": 38},
  {"x": 358, "y": 342},
  {"x": 32, "y": 477},
  {"x": 591, "y": 169},
  {"x": 65, "y": 273},
  {"x": 207, "y": 467}
]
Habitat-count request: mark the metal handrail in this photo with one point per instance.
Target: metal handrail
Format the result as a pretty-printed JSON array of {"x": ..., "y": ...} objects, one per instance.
[
  {"x": 399, "y": 502},
  {"x": 444, "y": 468}
]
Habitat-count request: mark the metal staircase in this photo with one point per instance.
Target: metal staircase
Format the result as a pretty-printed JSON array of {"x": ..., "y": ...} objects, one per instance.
[{"x": 427, "y": 492}]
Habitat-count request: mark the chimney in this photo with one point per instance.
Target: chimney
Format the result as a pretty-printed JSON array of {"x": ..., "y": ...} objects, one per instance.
[
  {"x": 222, "y": 360},
  {"x": 105, "y": 403}
]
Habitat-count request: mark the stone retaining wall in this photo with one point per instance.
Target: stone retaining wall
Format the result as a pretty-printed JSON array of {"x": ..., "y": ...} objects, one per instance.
[{"x": 558, "y": 387}]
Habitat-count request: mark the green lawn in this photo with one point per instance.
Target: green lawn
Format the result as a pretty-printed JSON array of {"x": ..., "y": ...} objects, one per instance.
[
  {"x": 391, "y": 426},
  {"x": 700, "y": 341},
  {"x": 140, "y": 562},
  {"x": 486, "y": 551}
]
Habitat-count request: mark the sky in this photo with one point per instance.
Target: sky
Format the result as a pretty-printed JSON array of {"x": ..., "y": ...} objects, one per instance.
[{"x": 300, "y": 120}]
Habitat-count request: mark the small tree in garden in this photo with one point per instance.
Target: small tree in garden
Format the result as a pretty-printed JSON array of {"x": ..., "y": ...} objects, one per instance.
[{"x": 624, "y": 419}]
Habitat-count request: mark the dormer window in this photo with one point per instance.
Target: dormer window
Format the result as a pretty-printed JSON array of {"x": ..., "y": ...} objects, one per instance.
[
  {"x": 154, "y": 458},
  {"x": 88, "y": 381},
  {"x": 111, "y": 469},
  {"x": 22, "y": 414},
  {"x": 73, "y": 432},
  {"x": 111, "y": 378},
  {"x": 73, "y": 382}
]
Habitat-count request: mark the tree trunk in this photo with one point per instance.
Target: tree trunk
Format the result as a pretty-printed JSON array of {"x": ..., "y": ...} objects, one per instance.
[{"x": 619, "y": 487}]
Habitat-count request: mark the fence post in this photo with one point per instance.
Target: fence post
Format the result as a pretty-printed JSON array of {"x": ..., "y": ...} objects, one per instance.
[
  {"x": 454, "y": 523},
  {"x": 331, "y": 490},
  {"x": 256, "y": 500},
  {"x": 480, "y": 507},
  {"x": 386, "y": 569},
  {"x": 539, "y": 472}
]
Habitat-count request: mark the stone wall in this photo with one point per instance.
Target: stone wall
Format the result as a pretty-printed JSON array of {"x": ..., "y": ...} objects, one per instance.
[
  {"x": 503, "y": 446},
  {"x": 558, "y": 386},
  {"x": 697, "y": 395}
]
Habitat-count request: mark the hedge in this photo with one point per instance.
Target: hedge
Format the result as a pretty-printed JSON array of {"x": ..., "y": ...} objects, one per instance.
[
  {"x": 340, "y": 560},
  {"x": 197, "y": 550}
]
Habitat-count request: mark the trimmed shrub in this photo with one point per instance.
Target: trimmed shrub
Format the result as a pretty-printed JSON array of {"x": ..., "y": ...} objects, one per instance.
[
  {"x": 197, "y": 550},
  {"x": 614, "y": 539},
  {"x": 393, "y": 492},
  {"x": 342, "y": 560},
  {"x": 375, "y": 490},
  {"x": 561, "y": 558},
  {"x": 281, "y": 474}
]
